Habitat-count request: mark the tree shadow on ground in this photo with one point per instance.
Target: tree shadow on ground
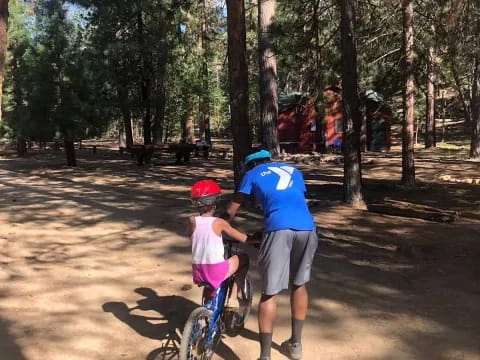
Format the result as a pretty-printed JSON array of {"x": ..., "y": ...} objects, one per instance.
[
  {"x": 10, "y": 349},
  {"x": 389, "y": 272},
  {"x": 360, "y": 266},
  {"x": 174, "y": 311}
]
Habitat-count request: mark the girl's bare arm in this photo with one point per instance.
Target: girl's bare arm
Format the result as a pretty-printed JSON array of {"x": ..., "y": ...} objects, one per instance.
[
  {"x": 191, "y": 225},
  {"x": 221, "y": 225}
]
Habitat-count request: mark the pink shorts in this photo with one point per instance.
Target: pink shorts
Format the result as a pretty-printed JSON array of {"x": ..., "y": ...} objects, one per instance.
[{"x": 212, "y": 274}]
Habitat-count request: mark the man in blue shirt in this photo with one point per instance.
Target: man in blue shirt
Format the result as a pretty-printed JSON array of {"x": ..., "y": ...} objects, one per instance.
[{"x": 289, "y": 243}]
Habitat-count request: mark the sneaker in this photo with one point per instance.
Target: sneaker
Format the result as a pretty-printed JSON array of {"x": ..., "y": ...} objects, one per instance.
[{"x": 292, "y": 350}]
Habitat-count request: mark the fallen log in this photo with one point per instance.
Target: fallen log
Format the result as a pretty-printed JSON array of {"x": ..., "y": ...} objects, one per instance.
[{"x": 410, "y": 210}]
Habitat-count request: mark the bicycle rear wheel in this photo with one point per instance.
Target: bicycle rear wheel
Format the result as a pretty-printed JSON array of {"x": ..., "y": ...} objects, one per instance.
[{"x": 195, "y": 334}]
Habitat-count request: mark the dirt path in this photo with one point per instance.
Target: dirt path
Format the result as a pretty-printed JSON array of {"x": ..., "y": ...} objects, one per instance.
[{"x": 94, "y": 265}]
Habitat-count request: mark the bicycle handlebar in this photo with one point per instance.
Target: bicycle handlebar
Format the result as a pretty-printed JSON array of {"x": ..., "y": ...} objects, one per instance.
[{"x": 229, "y": 241}]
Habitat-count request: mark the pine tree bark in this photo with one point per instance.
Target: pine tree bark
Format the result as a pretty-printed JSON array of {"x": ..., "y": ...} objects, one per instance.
[
  {"x": 3, "y": 46},
  {"x": 475, "y": 105},
  {"x": 408, "y": 159},
  {"x": 161, "y": 95},
  {"x": 159, "y": 119},
  {"x": 430, "y": 129},
  {"x": 145, "y": 81},
  {"x": 189, "y": 129},
  {"x": 204, "y": 121},
  {"x": 122, "y": 143},
  {"x": 70, "y": 152},
  {"x": 21, "y": 146},
  {"x": 126, "y": 114},
  {"x": 352, "y": 120},
  {"x": 238, "y": 84},
  {"x": 465, "y": 104},
  {"x": 268, "y": 76}
]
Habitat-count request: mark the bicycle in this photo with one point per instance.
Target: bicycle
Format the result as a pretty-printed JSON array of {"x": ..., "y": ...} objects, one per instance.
[{"x": 206, "y": 324}]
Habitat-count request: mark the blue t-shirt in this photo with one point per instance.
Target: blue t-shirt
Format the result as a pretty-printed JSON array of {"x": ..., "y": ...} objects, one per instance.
[{"x": 280, "y": 189}]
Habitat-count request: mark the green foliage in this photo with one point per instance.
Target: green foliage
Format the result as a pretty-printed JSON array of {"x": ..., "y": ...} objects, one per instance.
[
  {"x": 16, "y": 72},
  {"x": 49, "y": 79},
  {"x": 67, "y": 65},
  {"x": 308, "y": 38}
]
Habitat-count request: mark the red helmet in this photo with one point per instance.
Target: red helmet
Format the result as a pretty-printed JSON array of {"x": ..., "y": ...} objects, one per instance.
[{"x": 205, "y": 188}]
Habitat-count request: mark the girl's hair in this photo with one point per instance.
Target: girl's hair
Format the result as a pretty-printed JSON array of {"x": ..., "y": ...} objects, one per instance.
[{"x": 206, "y": 208}]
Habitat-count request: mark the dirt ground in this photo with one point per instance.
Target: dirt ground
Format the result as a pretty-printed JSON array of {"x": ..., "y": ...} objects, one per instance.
[{"x": 94, "y": 262}]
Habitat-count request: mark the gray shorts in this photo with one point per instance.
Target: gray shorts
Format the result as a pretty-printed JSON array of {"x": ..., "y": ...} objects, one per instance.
[{"x": 286, "y": 257}]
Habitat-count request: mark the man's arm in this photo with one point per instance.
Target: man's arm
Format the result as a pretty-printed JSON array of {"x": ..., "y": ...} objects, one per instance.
[{"x": 233, "y": 207}]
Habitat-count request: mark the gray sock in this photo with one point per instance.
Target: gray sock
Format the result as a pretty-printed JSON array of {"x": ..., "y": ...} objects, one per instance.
[
  {"x": 265, "y": 345},
  {"x": 297, "y": 326}
]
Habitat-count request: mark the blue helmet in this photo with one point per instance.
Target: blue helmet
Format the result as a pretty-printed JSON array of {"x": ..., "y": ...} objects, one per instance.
[{"x": 261, "y": 154}]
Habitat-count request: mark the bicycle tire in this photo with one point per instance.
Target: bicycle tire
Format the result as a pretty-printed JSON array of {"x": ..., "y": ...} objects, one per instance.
[
  {"x": 249, "y": 295},
  {"x": 186, "y": 346},
  {"x": 233, "y": 325}
]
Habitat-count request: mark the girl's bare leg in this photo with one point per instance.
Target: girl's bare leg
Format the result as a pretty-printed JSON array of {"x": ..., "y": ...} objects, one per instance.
[{"x": 239, "y": 266}]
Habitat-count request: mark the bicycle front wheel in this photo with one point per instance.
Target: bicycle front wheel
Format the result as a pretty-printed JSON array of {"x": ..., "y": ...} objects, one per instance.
[
  {"x": 248, "y": 294},
  {"x": 235, "y": 320},
  {"x": 194, "y": 345}
]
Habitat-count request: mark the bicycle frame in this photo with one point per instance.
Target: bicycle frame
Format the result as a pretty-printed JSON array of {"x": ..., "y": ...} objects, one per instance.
[{"x": 217, "y": 303}]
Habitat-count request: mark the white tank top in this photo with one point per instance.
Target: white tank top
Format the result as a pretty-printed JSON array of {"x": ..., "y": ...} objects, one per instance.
[{"x": 207, "y": 247}]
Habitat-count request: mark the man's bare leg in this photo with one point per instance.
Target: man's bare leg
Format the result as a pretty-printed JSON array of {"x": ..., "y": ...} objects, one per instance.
[
  {"x": 267, "y": 312},
  {"x": 299, "y": 307},
  {"x": 299, "y": 302}
]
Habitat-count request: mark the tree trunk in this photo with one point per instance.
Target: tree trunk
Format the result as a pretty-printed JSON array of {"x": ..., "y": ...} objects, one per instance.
[
  {"x": 158, "y": 122},
  {"x": 145, "y": 82},
  {"x": 363, "y": 131},
  {"x": 463, "y": 99},
  {"x": 166, "y": 135},
  {"x": 127, "y": 119},
  {"x": 204, "y": 120},
  {"x": 475, "y": 105},
  {"x": 70, "y": 152},
  {"x": 21, "y": 146},
  {"x": 268, "y": 76},
  {"x": 408, "y": 160},
  {"x": 238, "y": 80},
  {"x": 122, "y": 143},
  {"x": 430, "y": 131},
  {"x": 3, "y": 46},
  {"x": 160, "y": 87},
  {"x": 352, "y": 178},
  {"x": 188, "y": 132}
]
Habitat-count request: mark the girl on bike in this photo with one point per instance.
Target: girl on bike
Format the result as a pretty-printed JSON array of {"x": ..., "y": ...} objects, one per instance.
[{"x": 205, "y": 230}]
